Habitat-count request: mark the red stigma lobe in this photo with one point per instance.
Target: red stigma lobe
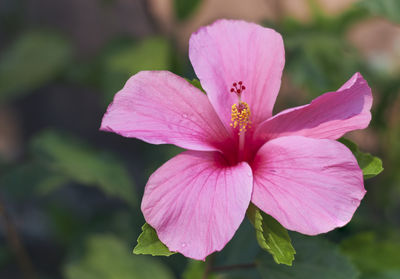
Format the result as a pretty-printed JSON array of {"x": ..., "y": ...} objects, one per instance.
[{"x": 238, "y": 88}]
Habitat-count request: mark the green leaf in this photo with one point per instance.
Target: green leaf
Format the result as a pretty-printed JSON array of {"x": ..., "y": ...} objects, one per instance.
[
  {"x": 149, "y": 244},
  {"x": 106, "y": 257},
  {"x": 32, "y": 60},
  {"x": 184, "y": 8},
  {"x": 389, "y": 9},
  {"x": 121, "y": 63},
  {"x": 372, "y": 254},
  {"x": 370, "y": 165},
  {"x": 271, "y": 236},
  {"x": 315, "y": 259},
  {"x": 71, "y": 158}
]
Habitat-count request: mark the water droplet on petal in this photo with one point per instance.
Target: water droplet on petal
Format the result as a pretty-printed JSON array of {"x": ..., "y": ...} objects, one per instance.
[
  {"x": 355, "y": 201},
  {"x": 183, "y": 244},
  {"x": 184, "y": 115}
]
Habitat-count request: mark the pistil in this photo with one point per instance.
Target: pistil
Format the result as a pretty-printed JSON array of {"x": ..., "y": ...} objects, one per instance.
[
  {"x": 242, "y": 139},
  {"x": 240, "y": 117}
]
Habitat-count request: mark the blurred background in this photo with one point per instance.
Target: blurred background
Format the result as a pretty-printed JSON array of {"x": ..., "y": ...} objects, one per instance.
[{"x": 72, "y": 194}]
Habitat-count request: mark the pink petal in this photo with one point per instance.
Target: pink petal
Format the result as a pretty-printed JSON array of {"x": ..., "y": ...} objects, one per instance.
[
  {"x": 196, "y": 202},
  {"x": 309, "y": 185},
  {"x": 160, "y": 107},
  {"x": 229, "y": 51},
  {"x": 329, "y": 116}
]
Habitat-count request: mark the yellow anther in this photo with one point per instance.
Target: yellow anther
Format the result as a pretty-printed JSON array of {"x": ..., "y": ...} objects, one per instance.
[{"x": 240, "y": 116}]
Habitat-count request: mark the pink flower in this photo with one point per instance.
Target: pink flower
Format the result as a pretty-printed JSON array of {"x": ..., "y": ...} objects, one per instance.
[{"x": 289, "y": 165}]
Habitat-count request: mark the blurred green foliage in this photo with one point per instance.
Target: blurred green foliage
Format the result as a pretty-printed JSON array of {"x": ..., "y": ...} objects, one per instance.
[
  {"x": 122, "y": 61},
  {"x": 94, "y": 227},
  {"x": 319, "y": 57},
  {"x": 196, "y": 83},
  {"x": 68, "y": 156},
  {"x": 373, "y": 254},
  {"x": 389, "y": 9},
  {"x": 57, "y": 158},
  {"x": 30, "y": 62},
  {"x": 184, "y": 8},
  {"x": 315, "y": 258},
  {"x": 107, "y": 257},
  {"x": 31, "y": 178}
]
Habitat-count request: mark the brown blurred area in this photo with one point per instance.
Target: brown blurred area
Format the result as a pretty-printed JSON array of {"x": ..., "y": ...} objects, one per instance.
[{"x": 252, "y": 10}]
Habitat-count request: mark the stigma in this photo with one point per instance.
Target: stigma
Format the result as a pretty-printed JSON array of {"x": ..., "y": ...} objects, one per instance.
[{"x": 238, "y": 88}]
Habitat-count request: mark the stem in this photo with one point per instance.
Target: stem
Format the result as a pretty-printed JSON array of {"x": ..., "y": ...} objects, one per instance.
[
  {"x": 208, "y": 267},
  {"x": 242, "y": 139},
  {"x": 234, "y": 266},
  {"x": 16, "y": 246}
]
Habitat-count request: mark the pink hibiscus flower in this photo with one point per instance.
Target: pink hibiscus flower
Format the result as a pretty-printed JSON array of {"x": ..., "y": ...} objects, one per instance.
[{"x": 289, "y": 165}]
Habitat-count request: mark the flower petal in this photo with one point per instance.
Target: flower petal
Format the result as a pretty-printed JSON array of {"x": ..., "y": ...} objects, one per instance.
[
  {"x": 160, "y": 107},
  {"x": 309, "y": 185},
  {"x": 196, "y": 202},
  {"x": 229, "y": 51},
  {"x": 329, "y": 116}
]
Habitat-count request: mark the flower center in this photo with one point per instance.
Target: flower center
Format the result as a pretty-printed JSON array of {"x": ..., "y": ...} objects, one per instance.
[{"x": 240, "y": 113}]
